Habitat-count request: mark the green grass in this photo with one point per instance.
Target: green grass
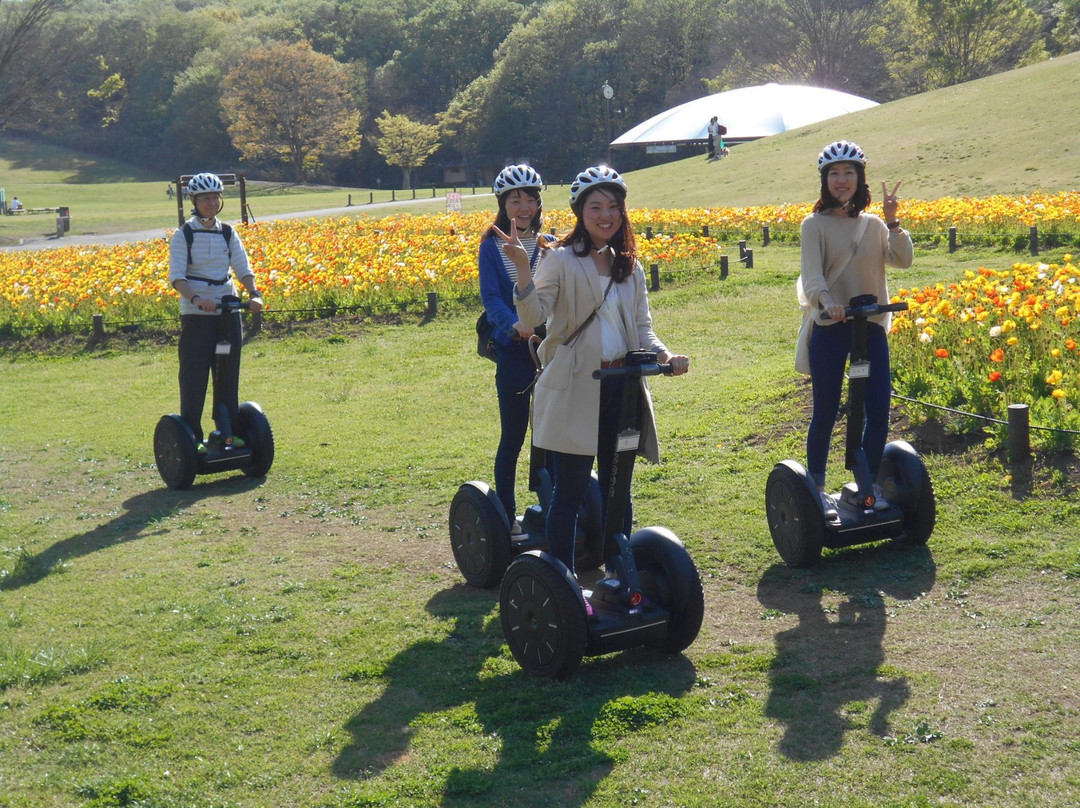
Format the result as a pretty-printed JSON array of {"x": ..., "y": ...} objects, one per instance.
[{"x": 306, "y": 640}]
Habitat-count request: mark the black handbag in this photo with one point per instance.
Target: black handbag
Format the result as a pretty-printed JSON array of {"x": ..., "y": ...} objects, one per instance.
[{"x": 485, "y": 337}]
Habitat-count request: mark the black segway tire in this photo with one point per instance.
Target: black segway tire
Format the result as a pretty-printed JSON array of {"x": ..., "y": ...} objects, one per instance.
[
  {"x": 589, "y": 552},
  {"x": 669, "y": 578},
  {"x": 796, "y": 520},
  {"x": 479, "y": 535},
  {"x": 543, "y": 616},
  {"x": 905, "y": 482},
  {"x": 175, "y": 452},
  {"x": 253, "y": 426}
]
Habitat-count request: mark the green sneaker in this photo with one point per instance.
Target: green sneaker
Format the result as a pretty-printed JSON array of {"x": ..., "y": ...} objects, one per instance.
[
  {"x": 238, "y": 442},
  {"x": 201, "y": 448}
]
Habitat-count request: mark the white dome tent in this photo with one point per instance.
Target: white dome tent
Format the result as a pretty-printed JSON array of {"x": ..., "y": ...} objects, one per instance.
[{"x": 748, "y": 113}]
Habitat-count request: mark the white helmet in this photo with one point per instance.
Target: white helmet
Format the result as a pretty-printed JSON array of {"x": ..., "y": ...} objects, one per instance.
[
  {"x": 205, "y": 184},
  {"x": 514, "y": 178},
  {"x": 842, "y": 151},
  {"x": 594, "y": 178}
]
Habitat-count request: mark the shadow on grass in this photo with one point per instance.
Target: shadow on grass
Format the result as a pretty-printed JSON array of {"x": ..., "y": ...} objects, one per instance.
[
  {"x": 829, "y": 674},
  {"x": 140, "y": 518},
  {"x": 549, "y": 735}
]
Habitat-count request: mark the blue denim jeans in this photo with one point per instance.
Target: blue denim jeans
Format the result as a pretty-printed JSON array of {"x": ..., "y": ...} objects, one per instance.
[
  {"x": 829, "y": 348},
  {"x": 572, "y": 475},
  {"x": 514, "y": 371}
]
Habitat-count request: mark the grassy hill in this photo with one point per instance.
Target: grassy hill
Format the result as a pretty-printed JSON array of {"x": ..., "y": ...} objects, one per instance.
[{"x": 1010, "y": 133}]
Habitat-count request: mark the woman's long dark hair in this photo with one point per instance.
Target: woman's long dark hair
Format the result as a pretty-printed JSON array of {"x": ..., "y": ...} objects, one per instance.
[
  {"x": 623, "y": 244},
  {"x": 502, "y": 220},
  {"x": 859, "y": 202}
]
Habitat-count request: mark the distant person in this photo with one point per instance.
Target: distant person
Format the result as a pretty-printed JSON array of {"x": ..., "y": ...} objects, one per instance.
[
  {"x": 202, "y": 272},
  {"x": 16, "y": 204},
  {"x": 714, "y": 137},
  {"x": 169, "y": 191},
  {"x": 844, "y": 254},
  {"x": 517, "y": 189}
]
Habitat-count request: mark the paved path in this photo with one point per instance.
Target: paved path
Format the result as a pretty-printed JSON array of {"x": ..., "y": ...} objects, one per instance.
[{"x": 109, "y": 239}]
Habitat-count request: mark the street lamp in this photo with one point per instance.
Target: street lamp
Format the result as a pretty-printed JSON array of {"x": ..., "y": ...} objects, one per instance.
[{"x": 608, "y": 93}]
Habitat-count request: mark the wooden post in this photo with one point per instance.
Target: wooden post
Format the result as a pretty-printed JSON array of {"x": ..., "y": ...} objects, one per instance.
[
  {"x": 952, "y": 239},
  {"x": 370, "y": 197},
  {"x": 764, "y": 235},
  {"x": 654, "y": 271},
  {"x": 349, "y": 203},
  {"x": 99, "y": 327},
  {"x": 648, "y": 231},
  {"x": 723, "y": 268},
  {"x": 742, "y": 249},
  {"x": 1019, "y": 433},
  {"x": 749, "y": 257},
  {"x": 705, "y": 231},
  {"x": 1033, "y": 240},
  {"x": 432, "y": 304}
]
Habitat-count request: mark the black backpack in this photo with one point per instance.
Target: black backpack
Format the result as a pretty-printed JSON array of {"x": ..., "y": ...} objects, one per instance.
[{"x": 189, "y": 237}]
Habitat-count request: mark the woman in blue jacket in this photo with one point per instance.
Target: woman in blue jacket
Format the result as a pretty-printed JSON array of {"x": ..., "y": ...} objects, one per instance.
[{"x": 517, "y": 189}]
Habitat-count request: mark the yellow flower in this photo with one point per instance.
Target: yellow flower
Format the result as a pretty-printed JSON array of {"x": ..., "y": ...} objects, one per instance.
[{"x": 1055, "y": 377}]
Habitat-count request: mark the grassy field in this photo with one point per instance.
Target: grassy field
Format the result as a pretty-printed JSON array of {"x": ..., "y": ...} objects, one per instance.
[{"x": 305, "y": 640}]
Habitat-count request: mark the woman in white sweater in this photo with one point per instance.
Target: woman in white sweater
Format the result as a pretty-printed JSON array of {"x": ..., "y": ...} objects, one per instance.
[{"x": 844, "y": 254}]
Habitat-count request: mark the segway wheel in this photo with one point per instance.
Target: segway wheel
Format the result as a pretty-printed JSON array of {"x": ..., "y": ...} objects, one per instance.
[
  {"x": 670, "y": 579},
  {"x": 589, "y": 551},
  {"x": 253, "y": 426},
  {"x": 795, "y": 519},
  {"x": 906, "y": 482},
  {"x": 543, "y": 616},
  {"x": 479, "y": 535},
  {"x": 175, "y": 452}
]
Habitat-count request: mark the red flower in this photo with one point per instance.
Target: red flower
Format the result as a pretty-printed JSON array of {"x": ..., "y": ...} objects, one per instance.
[
  {"x": 941, "y": 353},
  {"x": 995, "y": 376}
]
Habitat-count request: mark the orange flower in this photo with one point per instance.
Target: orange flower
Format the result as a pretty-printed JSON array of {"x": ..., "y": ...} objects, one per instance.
[
  {"x": 995, "y": 376},
  {"x": 941, "y": 353},
  {"x": 997, "y": 356}
]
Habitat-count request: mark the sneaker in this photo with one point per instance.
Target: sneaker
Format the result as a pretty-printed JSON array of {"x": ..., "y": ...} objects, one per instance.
[
  {"x": 828, "y": 504},
  {"x": 880, "y": 503},
  {"x": 238, "y": 442},
  {"x": 201, "y": 448}
]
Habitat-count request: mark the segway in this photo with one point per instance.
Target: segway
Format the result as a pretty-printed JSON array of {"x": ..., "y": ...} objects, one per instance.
[
  {"x": 480, "y": 533},
  {"x": 176, "y": 448},
  {"x": 651, "y": 595},
  {"x": 796, "y": 514}
]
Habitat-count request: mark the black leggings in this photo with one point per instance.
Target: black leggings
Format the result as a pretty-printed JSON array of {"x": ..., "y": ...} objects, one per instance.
[{"x": 199, "y": 336}]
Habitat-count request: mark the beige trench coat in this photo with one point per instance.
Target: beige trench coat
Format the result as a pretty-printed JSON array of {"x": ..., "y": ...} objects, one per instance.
[{"x": 566, "y": 289}]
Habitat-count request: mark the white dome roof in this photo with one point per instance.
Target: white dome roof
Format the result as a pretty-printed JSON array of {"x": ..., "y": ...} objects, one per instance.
[{"x": 748, "y": 113}]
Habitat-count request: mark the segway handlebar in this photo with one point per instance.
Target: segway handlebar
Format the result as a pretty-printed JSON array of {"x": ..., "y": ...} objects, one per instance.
[
  {"x": 868, "y": 309},
  {"x": 637, "y": 363},
  {"x": 232, "y": 303}
]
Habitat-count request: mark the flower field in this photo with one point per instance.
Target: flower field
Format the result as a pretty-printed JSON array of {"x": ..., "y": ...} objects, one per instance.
[{"x": 1001, "y": 336}]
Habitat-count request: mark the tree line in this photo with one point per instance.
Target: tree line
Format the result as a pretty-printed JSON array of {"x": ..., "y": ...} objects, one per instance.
[{"x": 353, "y": 92}]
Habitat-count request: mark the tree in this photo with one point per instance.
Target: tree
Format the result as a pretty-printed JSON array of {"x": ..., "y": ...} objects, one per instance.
[
  {"x": 30, "y": 59},
  {"x": 406, "y": 143},
  {"x": 969, "y": 39},
  {"x": 839, "y": 44},
  {"x": 287, "y": 102}
]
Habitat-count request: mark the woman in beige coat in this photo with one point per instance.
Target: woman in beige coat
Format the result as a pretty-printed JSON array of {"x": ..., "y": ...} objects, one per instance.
[{"x": 590, "y": 289}]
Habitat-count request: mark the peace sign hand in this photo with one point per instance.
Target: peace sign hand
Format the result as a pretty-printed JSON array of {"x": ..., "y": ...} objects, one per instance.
[{"x": 889, "y": 202}]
